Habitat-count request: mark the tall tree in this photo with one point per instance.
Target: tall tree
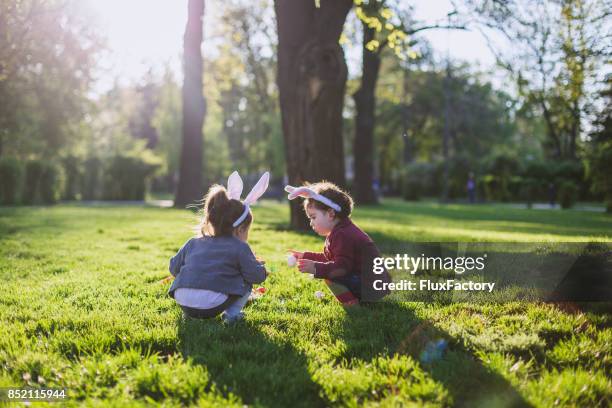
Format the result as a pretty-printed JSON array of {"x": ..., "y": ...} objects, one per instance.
[
  {"x": 385, "y": 24},
  {"x": 141, "y": 123},
  {"x": 194, "y": 108},
  {"x": 485, "y": 121},
  {"x": 600, "y": 166},
  {"x": 558, "y": 49},
  {"x": 244, "y": 74},
  {"x": 311, "y": 78},
  {"x": 365, "y": 103},
  {"x": 46, "y": 71}
]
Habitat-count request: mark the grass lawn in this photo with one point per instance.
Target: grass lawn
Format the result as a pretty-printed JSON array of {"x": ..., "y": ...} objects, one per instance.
[{"x": 81, "y": 307}]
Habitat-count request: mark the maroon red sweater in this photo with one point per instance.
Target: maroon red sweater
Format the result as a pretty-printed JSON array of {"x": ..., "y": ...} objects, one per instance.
[{"x": 346, "y": 249}]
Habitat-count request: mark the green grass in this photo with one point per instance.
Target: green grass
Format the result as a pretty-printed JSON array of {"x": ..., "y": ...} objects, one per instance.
[{"x": 81, "y": 307}]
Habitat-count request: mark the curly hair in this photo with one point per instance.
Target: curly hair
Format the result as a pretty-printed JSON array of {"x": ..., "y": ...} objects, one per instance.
[{"x": 334, "y": 193}]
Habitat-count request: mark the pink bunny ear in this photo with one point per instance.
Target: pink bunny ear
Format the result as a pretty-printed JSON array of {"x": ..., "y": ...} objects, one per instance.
[
  {"x": 259, "y": 189},
  {"x": 234, "y": 186}
]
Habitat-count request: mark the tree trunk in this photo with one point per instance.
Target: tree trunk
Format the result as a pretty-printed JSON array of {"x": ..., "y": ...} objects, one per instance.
[
  {"x": 408, "y": 147},
  {"x": 575, "y": 131},
  {"x": 446, "y": 135},
  {"x": 365, "y": 102},
  {"x": 194, "y": 108},
  {"x": 311, "y": 79}
]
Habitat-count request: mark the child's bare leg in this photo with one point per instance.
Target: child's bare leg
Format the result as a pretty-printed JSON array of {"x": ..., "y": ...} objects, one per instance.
[{"x": 342, "y": 293}]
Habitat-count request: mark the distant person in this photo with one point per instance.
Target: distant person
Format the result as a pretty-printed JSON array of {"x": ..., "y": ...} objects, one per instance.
[
  {"x": 376, "y": 188},
  {"x": 215, "y": 271},
  {"x": 552, "y": 194},
  {"x": 471, "y": 188},
  {"x": 346, "y": 263}
]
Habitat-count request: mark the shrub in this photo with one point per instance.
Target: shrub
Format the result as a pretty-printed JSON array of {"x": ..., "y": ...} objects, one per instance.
[
  {"x": 568, "y": 194},
  {"x": 459, "y": 168},
  {"x": 91, "y": 181},
  {"x": 73, "y": 173},
  {"x": 126, "y": 177},
  {"x": 539, "y": 170},
  {"x": 530, "y": 190},
  {"x": 43, "y": 182},
  {"x": 418, "y": 180},
  {"x": 536, "y": 176},
  {"x": 489, "y": 184},
  {"x": 31, "y": 186},
  {"x": 51, "y": 183},
  {"x": 568, "y": 170},
  {"x": 10, "y": 180},
  {"x": 503, "y": 167},
  {"x": 600, "y": 169}
]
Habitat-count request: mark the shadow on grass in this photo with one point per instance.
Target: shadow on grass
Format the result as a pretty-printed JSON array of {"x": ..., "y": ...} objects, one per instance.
[
  {"x": 395, "y": 329},
  {"x": 241, "y": 360}
]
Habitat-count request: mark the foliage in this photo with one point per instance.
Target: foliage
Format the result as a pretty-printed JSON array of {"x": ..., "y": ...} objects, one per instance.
[
  {"x": 126, "y": 176},
  {"x": 420, "y": 180},
  {"x": 46, "y": 62},
  {"x": 73, "y": 171},
  {"x": 167, "y": 122},
  {"x": 140, "y": 125},
  {"x": 601, "y": 169},
  {"x": 10, "y": 180},
  {"x": 600, "y": 154},
  {"x": 557, "y": 51},
  {"x": 242, "y": 83},
  {"x": 391, "y": 25},
  {"x": 499, "y": 177},
  {"x": 568, "y": 170},
  {"x": 502, "y": 167},
  {"x": 43, "y": 182},
  {"x": 92, "y": 178},
  {"x": 51, "y": 183},
  {"x": 568, "y": 194},
  {"x": 529, "y": 190},
  {"x": 482, "y": 121},
  {"x": 33, "y": 176}
]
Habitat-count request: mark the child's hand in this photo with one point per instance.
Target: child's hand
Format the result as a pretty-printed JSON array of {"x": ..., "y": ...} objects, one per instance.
[
  {"x": 306, "y": 266},
  {"x": 298, "y": 255}
]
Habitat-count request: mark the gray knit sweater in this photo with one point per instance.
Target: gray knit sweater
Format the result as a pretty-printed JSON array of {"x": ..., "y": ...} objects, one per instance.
[{"x": 221, "y": 264}]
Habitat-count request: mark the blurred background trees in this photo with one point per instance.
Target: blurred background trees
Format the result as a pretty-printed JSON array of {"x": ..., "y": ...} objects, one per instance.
[{"x": 534, "y": 128}]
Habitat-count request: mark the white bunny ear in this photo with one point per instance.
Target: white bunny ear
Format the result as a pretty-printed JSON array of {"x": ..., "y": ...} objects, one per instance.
[
  {"x": 234, "y": 186},
  {"x": 310, "y": 193},
  {"x": 289, "y": 189},
  {"x": 299, "y": 192},
  {"x": 259, "y": 189}
]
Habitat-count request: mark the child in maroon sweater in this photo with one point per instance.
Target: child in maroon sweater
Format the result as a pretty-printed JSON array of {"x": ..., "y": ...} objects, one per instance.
[{"x": 346, "y": 261}]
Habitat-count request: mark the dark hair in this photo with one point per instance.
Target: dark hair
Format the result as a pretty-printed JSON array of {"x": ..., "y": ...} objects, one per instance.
[
  {"x": 334, "y": 193},
  {"x": 220, "y": 212}
]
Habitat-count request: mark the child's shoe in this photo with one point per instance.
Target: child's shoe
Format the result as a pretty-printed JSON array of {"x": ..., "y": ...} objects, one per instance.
[{"x": 232, "y": 319}]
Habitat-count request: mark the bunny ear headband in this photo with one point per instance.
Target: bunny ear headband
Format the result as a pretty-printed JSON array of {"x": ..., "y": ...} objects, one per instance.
[
  {"x": 234, "y": 189},
  {"x": 309, "y": 193}
]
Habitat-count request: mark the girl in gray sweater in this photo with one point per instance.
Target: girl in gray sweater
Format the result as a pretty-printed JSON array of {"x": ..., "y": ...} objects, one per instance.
[{"x": 215, "y": 271}]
